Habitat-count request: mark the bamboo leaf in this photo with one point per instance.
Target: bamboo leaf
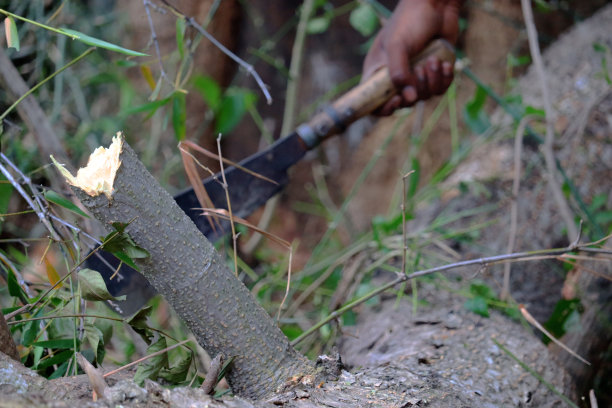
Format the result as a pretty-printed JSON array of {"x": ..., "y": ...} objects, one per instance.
[
  {"x": 52, "y": 274},
  {"x": 145, "y": 70},
  {"x": 55, "y": 198},
  {"x": 179, "y": 115},
  {"x": 86, "y": 39}
]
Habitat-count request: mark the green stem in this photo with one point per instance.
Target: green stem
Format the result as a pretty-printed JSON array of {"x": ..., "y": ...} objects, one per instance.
[
  {"x": 46, "y": 27},
  {"x": 41, "y": 83}
]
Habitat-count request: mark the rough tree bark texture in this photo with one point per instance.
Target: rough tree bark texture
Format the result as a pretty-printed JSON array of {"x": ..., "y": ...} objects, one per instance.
[
  {"x": 7, "y": 345},
  {"x": 185, "y": 268}
]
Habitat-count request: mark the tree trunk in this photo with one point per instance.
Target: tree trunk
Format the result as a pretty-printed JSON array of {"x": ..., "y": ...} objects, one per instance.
[{"x": 185, "y": 268}]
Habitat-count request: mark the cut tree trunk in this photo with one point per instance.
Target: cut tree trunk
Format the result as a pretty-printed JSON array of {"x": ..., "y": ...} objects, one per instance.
[{"x": 189, "y": 273}]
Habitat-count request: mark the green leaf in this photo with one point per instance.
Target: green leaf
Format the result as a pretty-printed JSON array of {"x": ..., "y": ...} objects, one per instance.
[
  {"x": 179, "y": 115},
  {"x": 30, "y": 333},
  {"x": 6, "y": 191},
  {"x": 232, "y": 109},
  {"x": 138, "y": 322},
  {"x": 13, "y": 286},
  {"x": 11, "y": 33},
  {"x": 149, "y": 108},
  {"x": 123, "y": 257},
  {"x": 562, "y": 316},
  {"x": 178, "y": 372},
  {"x": 599, "y": 47},
  {"x": 477, "y": 305},
  {"x": 180, "y": 36},
  {"x": 479, "y": 289},
  {"x": 86, "y": 39},
  {"x": 318, "y": 25},
  {"x": 61, "y": 370},
  {"x": 56, "y": 359},
  {"x": 209, "y": 89},
  {"x": 518, "y": 61},
  {"x": 55, "y": 198},
  {"x": 530, "y": 110},
  {"x": 93, "y": 335},
  {"x": 598, "y": 201},
  {"x": 364, "y": 19},
  {"x": 121, "y": 245},
  {"x": 151, "y": 367},
  {"x": 93, "y": 286},
  {"x": 474, "y": 115},
  {"x": 37, "y": 353},
  {"x": 56, "y": 343}
]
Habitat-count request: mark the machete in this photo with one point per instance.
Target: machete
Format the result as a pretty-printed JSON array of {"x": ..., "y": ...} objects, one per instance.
[{"x": 249, "y": 190}]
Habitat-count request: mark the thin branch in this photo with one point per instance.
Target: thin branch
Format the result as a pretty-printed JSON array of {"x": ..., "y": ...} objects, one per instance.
[
  {"x": 518, "y": 152},
  {"x": 482, "y": 262},
  {"x": 229, "y": 206},
  {"x": 549, "y": 156},
  {"x": 541, "y": 328},
  {"x": 154, "y": 39},
  {"x": 247, "y": 67}
]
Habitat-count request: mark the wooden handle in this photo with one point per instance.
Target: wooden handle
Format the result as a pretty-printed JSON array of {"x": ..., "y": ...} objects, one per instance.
[{"x": 364, "y": 98}]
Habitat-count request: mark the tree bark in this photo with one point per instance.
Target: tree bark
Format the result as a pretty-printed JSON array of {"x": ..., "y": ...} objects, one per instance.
[
  {"x": 7, "y": 345},
  {"x": 186, "y": 269}
]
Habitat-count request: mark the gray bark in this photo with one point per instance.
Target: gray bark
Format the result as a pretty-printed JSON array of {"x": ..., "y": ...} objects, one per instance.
[{"x": 186, "y": 269}]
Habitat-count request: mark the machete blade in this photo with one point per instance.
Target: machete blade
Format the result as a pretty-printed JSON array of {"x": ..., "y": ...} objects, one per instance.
[{"x": 247, "y": 191}]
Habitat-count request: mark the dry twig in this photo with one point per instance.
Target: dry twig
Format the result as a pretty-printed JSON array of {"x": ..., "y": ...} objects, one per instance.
[{"x": 534, "y": 47}]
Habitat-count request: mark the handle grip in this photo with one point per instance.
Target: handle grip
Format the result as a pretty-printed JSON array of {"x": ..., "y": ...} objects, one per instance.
[{"x": 364, "y": 98}]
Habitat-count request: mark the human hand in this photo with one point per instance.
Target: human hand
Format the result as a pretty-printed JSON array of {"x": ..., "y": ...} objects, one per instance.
[{"x": 412, "y": 26}]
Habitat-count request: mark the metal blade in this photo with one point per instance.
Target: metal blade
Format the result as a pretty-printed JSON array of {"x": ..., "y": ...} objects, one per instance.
[{"x": 247, "y": 192}]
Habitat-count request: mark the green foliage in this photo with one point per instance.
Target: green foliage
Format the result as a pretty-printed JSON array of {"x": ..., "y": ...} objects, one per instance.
[
  {"x": 229, "y": 107},
  {"x": 93, "y": 286},
  {"x": 120, "y": 244},
  {"x": 474, "y": 114},
  {"x": 565, "y": 318},
  {"x": 151, "y": 367},
  {"x": 364, "y": 19},
  {"x": 55, "y": 198}
]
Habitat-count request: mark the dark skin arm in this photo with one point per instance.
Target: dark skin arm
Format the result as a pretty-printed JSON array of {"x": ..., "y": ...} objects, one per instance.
[{"x": 412, "y": 26}]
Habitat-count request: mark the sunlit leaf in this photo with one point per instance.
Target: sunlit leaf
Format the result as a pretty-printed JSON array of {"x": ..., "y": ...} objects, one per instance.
[
  {"x": 145, "y": 70},
  {"x": 12, "y": 35},
  {"x": 52, "y": 274}
]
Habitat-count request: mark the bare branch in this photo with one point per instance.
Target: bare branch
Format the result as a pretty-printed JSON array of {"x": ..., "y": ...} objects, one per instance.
[{"x": 534, "y": 47}]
